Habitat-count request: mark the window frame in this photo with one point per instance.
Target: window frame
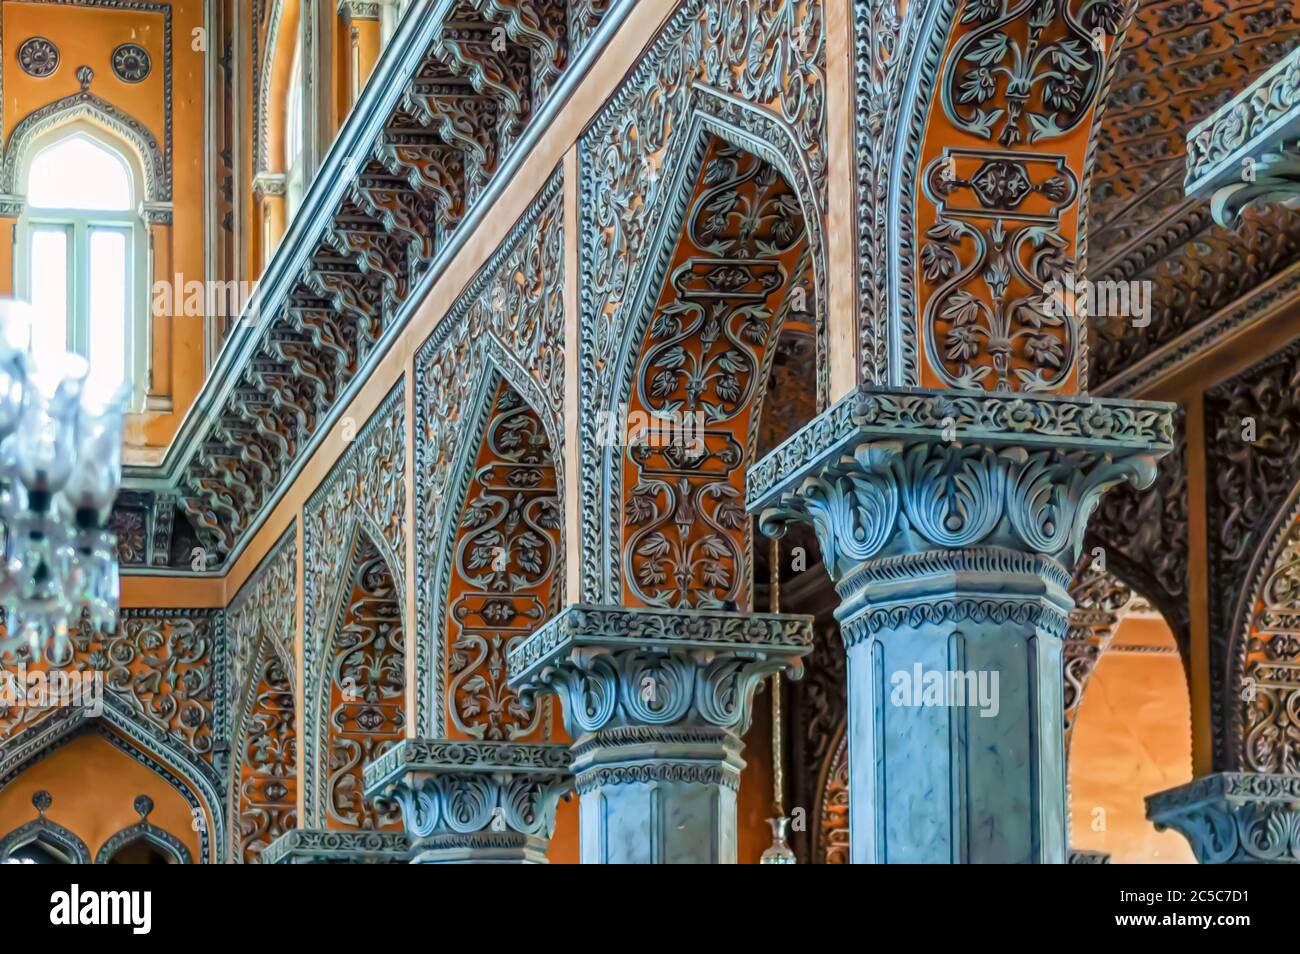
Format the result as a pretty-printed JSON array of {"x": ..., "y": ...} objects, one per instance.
[{"x": 79, "y": 224}]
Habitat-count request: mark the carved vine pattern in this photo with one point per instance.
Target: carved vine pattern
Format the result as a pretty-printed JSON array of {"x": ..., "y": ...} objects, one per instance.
[
  {"x": 506, "y": 561},
  {"x": 768, "y": 53},
  {"x": 367, "y": 693},
  {"x": 511, "y": 317},
  {"x": 705, "y": 358},
  {"x": 1251, "y": 481},
  {"x": 164, "y": 665}
]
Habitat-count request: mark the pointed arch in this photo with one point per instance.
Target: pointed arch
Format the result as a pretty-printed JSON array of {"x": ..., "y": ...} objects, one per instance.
[
  {"x": 261, "y": 622},
  {"x": 90, "y": 111},
  {"x": 497, "y": 567},
  {"x": 42, "y": 831},
  {"x": 196, "y": 782},
  {"x": 359, "y": 707},
  {"x": 1259, "y": 693},
  {"x": 144, "y": 832}
]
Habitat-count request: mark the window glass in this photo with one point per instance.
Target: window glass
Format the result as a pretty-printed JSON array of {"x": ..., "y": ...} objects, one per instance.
[
  {"x": 110, "y": 277},
  {"x": 79, "y": 173},
  {"x": 49, "y": 288}
]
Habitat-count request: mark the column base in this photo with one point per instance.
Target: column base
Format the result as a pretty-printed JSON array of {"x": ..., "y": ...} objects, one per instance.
[
  {"x": 320, "y": 846},
  {"x": 1234, "y": 818},
  {"x": 481, "y": 848}
]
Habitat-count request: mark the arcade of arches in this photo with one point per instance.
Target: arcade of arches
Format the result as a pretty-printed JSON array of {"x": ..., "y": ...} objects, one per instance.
[{"x": 663, "y": 431}]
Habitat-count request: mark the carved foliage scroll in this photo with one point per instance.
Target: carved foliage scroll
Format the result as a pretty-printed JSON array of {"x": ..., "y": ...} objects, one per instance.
[
  {"x": 1001, "y": 163},
  {"x": 700, "y": 375},
  {"x": 262, "y": 621},
  {"x": 504, "y": 566},
  {"x": 165, "y": 666},
  {"x": 365, "y": 669},
  {"x": 355, "y": 522},
  {"x": 1252, "y": 425},
  {"x": 511, "y": 317}
]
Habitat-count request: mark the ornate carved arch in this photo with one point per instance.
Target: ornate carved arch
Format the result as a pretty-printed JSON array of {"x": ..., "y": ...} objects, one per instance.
[
  {"x": 768, "y": 64},
  {"x": 508, "y": 322},
  {"x": 42, "y": 830},
  {"x": 264, "y": 782},
  {"x": 499, "y": 567},
  {"x": 1260, "y": 692},
  {"x": 196, "y": 782},
  {"x": 725, "y": 133},
  {"x": 356, "y": 705},
  {"x": 91, "y": 108},
  {"x": 143, "y": 831}
]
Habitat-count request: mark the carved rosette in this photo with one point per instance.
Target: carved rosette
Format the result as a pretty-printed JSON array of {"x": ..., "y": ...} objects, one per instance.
[
  {"x": 1234, "y": 817},
  {"x": 479, "y": 802}
]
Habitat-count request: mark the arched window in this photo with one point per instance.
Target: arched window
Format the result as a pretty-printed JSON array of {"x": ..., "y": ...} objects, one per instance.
[
  {"x": 82, "y": 255},
  {"x": 294, "y": 163}
]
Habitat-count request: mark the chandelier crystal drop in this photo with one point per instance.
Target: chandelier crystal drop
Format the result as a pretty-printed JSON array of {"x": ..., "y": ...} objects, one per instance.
[{"x": 60, "y": 467}]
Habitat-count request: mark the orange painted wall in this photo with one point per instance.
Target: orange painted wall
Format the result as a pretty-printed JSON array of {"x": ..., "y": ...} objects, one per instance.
[
  {"x": 1133, "y": 738},
  {"x": 94, "y": 787},
  {"x": 87, "y": 35}
]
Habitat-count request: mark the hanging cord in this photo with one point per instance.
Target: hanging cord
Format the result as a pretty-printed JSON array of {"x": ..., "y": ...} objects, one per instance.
[{"x": 778, "y": 748}]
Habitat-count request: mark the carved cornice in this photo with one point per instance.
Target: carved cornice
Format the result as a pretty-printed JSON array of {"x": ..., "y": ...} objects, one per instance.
[
  {"x": 264, "y": 410},
  {"x": 886, "y": 474},
  {"x": 464, "y": 757},
  {"x": 996, "y": 420},
  {"x": 1242, "y": 133},
  {"x": 455, "y": 794}
]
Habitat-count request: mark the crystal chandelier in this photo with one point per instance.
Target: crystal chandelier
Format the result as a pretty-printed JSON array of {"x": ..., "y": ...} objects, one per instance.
[{"x": 60, "y": 466}]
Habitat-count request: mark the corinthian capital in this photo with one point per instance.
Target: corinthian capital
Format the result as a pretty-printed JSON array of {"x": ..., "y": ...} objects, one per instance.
[
  {"x": 615, "y": 667},
  {"x": 891, "y": 473}
]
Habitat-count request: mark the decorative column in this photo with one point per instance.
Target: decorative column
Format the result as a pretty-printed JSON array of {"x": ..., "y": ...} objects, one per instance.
[
  {"x": 657, "y": 701},
  {"x": 1234, "y": 818},
  {"x": 473, "y": 802},
  {"x": 946, "y": 521}
]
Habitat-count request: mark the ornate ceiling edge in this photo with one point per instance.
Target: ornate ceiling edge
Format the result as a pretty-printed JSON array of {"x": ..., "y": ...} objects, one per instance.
[
  {"x": 1265, "y": 113},
  {"x": 1260, "y": 304},
  {"x": 286, "y": 380}
]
